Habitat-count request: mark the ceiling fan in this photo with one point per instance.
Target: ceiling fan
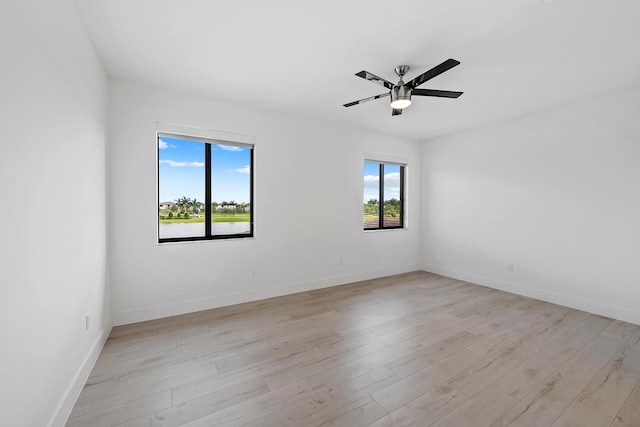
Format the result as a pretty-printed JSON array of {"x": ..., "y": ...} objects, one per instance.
[{"x": 401, "y": 92}]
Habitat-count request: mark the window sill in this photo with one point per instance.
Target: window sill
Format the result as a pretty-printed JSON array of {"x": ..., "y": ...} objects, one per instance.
[
  {"x": 386, "y": 229},
  {"x": 182, "y": 242}
]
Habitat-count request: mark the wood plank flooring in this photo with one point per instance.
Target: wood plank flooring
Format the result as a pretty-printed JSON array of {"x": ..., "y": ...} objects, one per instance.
[{"x": 409, "y": 350}]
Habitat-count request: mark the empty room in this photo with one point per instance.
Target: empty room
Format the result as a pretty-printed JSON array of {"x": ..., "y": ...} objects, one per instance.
[{"x": 287, "y": 213}]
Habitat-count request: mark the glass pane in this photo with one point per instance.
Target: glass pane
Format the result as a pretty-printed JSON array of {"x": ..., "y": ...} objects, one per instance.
[
  {"x": 371, "y": 208},
  {"x": 180, "y": 188},
  {"x": 391, "y": 196},
  {"x": 230, "y": 190}
]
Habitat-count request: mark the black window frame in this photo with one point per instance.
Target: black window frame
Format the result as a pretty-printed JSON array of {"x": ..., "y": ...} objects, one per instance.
[
  {"x": 381, "y": 225},
  {"x": 207, "y": 143}
]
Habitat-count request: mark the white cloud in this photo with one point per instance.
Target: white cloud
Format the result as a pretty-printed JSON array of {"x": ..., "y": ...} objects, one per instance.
[
  {"x": 162, "y": 144},
  {"x": 230, "y": 147},
  {"x": 370, "y": 196},
  {"x": 391, "y": 195},
  {"x": 390, "y": 180},
  {"x": 371, "y": 181},
  {"x": 175, "y": 164},
  {"x": 245, "y": 170},
  {"x": 391, "y": 186},
  {"x": 393, "y": 179}
]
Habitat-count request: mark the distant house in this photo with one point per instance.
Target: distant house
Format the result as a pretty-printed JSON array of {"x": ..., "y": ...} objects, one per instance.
[
  {"x": 166, "y": 205},
  {"x": 222, "y": 207}
]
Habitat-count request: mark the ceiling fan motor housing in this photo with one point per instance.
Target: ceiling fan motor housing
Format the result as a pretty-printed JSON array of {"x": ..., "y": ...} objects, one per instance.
[{"x": 400, "y": 92}]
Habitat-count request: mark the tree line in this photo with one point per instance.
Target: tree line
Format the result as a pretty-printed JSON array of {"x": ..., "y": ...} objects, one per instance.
[
  {"x": 185, "y": 207},
  {"x": 391, "y": 207}
]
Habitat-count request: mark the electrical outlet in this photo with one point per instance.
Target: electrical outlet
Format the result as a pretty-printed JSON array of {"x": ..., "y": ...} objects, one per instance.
[
  {"x": 341, "y": 262},
  {"x": 87, "y": 320},
  {"x": 509, "y": 267}
]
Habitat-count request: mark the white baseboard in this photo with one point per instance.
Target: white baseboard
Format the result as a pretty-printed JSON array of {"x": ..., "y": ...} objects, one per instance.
[
  {"x": 62, "y": 412},
  {"x": 571, "y": 301},
  {"x": 183, "y": 307}
]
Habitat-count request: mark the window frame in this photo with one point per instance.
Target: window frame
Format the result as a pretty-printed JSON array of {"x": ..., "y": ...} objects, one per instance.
[
  {"x": 381, "y": 225},
  {"x": 208, "y": 142}
]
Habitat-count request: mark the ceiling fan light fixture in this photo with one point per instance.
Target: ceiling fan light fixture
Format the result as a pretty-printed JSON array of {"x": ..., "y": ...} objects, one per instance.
[
  {"x": 400, "y": 97},
  {"x": 400, "y": 104}
]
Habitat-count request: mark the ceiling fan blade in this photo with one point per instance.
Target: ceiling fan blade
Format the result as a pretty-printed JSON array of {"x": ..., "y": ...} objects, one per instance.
[
  {"x": 435, "y": 71},
  {"x": 373, "y": 78},
  {"x": 371, "y": 98},
  {"x": 438, "y": 93},
  {"x": 396, "y": 111}
]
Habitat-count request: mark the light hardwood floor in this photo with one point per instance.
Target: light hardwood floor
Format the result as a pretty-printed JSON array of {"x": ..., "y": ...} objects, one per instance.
[{"x": 413, "y": 349}]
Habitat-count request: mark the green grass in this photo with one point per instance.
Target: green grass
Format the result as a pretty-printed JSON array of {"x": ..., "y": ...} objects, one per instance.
[{"x": 244, "y": 217}]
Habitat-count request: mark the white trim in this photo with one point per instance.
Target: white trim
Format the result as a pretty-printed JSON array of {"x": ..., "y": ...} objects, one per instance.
[
  {"x": 578, "y": 303},
  {"x": 150, "y": 313},
  {"x": 69, "y": 398},
  {"x": 179, "y": 130},
  {"x": 383, "y": 158},
  {"x": 376, "y": 230},
  {"x": 191, "y": 138}
]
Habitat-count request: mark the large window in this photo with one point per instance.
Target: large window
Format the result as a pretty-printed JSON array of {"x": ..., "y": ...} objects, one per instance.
[
  {"x": 205, "y": 188},
  {"x": 383, "y": 195}
]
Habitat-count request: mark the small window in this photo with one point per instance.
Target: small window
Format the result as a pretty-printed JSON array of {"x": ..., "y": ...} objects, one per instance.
[
  {"x": 383, "y": 196},
  {"x": 205, "y": 189}
]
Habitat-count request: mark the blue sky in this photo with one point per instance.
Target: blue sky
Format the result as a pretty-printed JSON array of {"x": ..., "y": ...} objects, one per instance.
[
  {"x": 372, "y": 181},
  {"x": 181, "y": 171}
]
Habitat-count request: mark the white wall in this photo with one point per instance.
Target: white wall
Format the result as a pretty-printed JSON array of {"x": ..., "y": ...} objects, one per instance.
[
  {"x": 312, "y": 169},
  {"x": 53, "y": 106},
  {"x": 556, "y": 194}
]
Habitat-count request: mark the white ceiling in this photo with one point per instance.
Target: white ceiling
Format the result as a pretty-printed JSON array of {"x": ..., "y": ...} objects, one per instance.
[{"x": 299, "y": 57}]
